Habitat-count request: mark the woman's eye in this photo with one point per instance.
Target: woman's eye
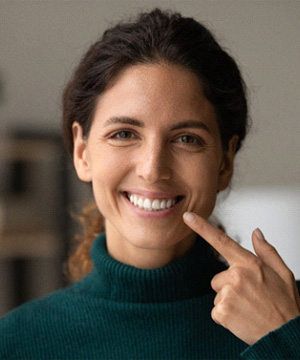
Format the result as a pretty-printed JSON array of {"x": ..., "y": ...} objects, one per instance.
[
  {"x": 190, "y": 140},
  {"x": 123, "y": 135}
]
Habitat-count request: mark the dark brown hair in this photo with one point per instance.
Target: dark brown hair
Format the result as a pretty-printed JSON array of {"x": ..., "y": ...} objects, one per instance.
[{"x": 154, "y": 37}]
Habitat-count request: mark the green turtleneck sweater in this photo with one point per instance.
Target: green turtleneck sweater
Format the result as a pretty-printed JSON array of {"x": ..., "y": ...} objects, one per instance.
[{"x": 121, "y": 312}]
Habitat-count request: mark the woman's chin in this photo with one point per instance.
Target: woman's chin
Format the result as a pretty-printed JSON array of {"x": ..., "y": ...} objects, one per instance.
[{"x": 154, "y": 239}]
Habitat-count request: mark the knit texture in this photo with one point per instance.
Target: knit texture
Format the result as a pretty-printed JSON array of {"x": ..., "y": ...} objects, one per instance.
[{"x": 121, "y": 312}]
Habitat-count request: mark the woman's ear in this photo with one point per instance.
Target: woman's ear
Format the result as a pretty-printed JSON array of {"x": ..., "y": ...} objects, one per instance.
[
  {"x": 80, "y": 154},
  {"x": 227, "y": 164}
]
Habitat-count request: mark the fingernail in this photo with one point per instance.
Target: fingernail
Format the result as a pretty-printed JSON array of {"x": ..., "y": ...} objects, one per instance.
[
  {"x": 259, "y": 234},
  {"x": 189, "y": 217}
]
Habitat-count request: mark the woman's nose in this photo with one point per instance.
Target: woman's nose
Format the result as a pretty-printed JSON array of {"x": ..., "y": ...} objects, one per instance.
[{"x": 154, "y": 163}]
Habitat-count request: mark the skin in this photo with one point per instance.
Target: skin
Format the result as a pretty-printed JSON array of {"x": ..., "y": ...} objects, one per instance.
[
  {"x": 154, "y": 158},
  {"x": 258, "y": 293}
]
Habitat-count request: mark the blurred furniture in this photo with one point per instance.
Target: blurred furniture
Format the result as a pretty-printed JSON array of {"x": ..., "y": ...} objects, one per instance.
[{"x": 33, "y": 217}]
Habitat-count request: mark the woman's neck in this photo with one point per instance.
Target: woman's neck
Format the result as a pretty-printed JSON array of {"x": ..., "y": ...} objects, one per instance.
[{"x": 187, "y": 277}]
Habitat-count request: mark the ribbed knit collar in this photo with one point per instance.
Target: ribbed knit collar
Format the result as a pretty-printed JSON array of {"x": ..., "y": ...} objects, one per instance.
[{"x": 184, "y": 278}]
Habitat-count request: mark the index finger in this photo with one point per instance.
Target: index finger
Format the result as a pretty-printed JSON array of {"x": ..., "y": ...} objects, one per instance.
[{"x": 220, "y": 241}]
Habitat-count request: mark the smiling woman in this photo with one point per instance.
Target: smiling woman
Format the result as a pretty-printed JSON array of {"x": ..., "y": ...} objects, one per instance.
[
  {"x": 153, "y": 117},
  {"x": 163, "y": 155}
]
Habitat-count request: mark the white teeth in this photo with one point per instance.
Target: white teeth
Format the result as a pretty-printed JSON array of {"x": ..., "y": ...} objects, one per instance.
[
  {"x": 147, "y": 204},
  {"x": 169, "y": 203},
  {"x": 140, "y": 203},
  {"x": 155, "y": 205},
  {"x": 163, "y": 204}
]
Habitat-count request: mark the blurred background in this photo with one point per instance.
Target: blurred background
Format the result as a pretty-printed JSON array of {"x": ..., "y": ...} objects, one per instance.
[{"x": 40, "y": 44}]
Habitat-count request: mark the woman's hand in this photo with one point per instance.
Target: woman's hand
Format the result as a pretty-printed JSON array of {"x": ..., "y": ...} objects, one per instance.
[{"x": 258, "y": 293}]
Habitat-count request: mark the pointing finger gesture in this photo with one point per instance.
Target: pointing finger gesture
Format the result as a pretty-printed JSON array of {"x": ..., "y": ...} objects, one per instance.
[{"x": 257, "y": 293}]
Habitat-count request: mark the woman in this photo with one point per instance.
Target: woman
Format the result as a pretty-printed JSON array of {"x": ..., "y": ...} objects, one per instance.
[{"x": 153, "y": 117}]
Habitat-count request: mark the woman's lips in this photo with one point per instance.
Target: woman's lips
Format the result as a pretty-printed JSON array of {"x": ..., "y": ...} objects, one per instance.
[
  {"x": 157, "y": 205},
  {"x": 151, "y": 194}
]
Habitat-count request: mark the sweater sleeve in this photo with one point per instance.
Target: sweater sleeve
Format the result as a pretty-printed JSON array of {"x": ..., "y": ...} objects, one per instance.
[{"x": 283, "y": 343}]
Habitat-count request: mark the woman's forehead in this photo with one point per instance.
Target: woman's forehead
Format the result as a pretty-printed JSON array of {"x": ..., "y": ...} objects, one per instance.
[{"x": 155, "y": 93}]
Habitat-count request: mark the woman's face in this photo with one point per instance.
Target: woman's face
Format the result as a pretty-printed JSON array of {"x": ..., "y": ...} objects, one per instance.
[{"x": 153, "y": 152}]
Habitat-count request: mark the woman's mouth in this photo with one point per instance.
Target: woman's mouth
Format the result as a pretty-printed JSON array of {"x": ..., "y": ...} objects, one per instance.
[{"x": 152, "y": 204}]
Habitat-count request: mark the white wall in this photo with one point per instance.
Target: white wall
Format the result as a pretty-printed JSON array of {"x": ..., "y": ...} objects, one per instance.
[
  {"x": 274, "y": 209},
  {"x": 41, "y": 42}
]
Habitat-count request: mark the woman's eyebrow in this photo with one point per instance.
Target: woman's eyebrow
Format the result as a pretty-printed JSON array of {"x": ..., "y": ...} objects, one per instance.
[
  {"x": 190, "y": 124},
  {"x": 124, "y": 120},
  {"x": 181, "y": 125}
]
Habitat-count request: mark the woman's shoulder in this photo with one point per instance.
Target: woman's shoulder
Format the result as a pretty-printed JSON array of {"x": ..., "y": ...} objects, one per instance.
[
  {"x": 49, "y": 305},
  {"x": 32, "y": 310},
  {"x": 33, "y": 323},
  {"x": 45, "y": 308}
]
